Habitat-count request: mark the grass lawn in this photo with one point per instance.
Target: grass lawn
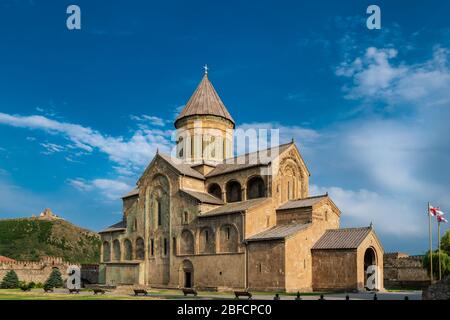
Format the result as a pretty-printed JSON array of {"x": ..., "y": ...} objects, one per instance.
[
  {"x": 154, "y": 294},
  {"x": 38, "y": 294}
]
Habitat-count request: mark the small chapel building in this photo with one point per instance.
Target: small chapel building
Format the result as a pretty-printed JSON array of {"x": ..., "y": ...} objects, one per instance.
[{"x": 207, "y": 219}]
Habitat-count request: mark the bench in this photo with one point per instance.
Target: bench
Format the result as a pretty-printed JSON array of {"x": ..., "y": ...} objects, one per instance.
[
  {"x": 187, "y": 291},
  {"x": 74, "y": 291},
  {"x": 140, "y": 291},
  {"x": 243, "y": 294},
  {"x": 98, "y": 290}
]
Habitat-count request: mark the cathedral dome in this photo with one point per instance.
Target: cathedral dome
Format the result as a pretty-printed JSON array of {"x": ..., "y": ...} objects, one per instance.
[{"x": 204, "y": 102}]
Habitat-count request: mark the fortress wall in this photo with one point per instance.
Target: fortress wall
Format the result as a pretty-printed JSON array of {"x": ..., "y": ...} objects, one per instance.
[
  {"x": 36, "y": 271},
  {"x": 402, "y": 270}
]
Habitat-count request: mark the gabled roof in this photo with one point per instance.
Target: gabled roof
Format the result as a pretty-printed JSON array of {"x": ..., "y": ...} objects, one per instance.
[
  {"x": 346, "y": 238},
  {"x": 279, "y": 232},
  {"x": 234, "y": 207},
  {"x": 302, "y": 203},
  {"x": 249, "y": 160},
  {"x": 119, "y": 226},
  {"x": 181, "y": 167},
  {"x": 205, "y": 101},
  {"x": 132, "y": 193},
  {"x": 203, "y": 197}
]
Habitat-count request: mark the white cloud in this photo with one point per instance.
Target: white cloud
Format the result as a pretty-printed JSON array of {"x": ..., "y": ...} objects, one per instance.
[
  {"x": 376, "y": 75},
  {"x": 134, "y": 152},
  {"x": 152, "y": 120},
  {"x": 111, "y": 189},
  {"x": 390, "y": 214},
  {"x": 51, "y": 148}
]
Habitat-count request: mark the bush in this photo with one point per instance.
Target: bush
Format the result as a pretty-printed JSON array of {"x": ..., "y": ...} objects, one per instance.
[
  {"x": 39, "y": 285},
  {"x": 54, "y": 280},
  {"x": 25, "y": 286},
  {"x": 10, "y": 281},
  {"x": 47, "y": 286}
]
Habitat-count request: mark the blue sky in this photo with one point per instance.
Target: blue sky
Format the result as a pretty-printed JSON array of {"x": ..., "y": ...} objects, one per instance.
[{"x": 83, "y": 112}]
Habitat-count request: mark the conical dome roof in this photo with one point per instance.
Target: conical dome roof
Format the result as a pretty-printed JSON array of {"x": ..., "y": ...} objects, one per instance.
[{"x": 205, "y": 101}]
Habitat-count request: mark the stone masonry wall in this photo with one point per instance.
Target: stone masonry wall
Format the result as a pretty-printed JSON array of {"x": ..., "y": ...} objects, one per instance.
[
  {"x": 402, "y": 270},
  {"x": 35, "y": 271}
]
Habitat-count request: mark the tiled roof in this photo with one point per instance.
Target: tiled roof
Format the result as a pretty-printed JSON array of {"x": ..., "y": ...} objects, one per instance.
[
  {"x": 132, "y": 193},
  {"x": 119, "y": 226},
  {"x": 301, "y": 203},
  {"x": 205, "y": 101},
  {"x": 279, "y": 232},
  {"x": 346, "y": 238},
  {"x": 4, "y": 259},
  {"x": 234, "y": 207},
  {"x": 182, "y": 167},
  {"x": 248, "y": 160},
  {"x": 203, "y": 197}
]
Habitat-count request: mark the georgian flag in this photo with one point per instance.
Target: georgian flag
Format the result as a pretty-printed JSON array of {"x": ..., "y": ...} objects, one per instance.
[
  {"x": 435, "y": 211},
  {"x": 440, "y": 218}
]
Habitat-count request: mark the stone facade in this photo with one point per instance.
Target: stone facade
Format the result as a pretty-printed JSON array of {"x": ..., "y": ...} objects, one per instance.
[{"x": 204, "y": 220}]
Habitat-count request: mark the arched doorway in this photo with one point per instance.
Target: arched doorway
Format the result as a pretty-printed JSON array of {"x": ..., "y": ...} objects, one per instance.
[
  {"x": 256, "y": 188},
  {"x": 186, "y": 274},
  {"x": 234, "y": 191},
  {"x": 370, "y": 272},
  {"x": 215, "y": 190}
]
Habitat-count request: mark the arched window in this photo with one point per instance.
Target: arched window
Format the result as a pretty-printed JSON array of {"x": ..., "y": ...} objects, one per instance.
[
  {"x": 140, "y": 250},
  {"x": 256, "y": 188},
  {"x": 229, "y": 238},
  {"x": 159, "y": 211},
  {"x": 128, "y": 250},
  {"x": 187, "y": 242},
  {"x": 180, "y": 146},
  {"x": 234, "y": 191},
  {"x": 106, "y": 252},
  {"x": 213, "y": 146},
  {"x": 116, "y": 250},
  {"x": 207, "y": 242},
  {"x": 215, "y": 190}
]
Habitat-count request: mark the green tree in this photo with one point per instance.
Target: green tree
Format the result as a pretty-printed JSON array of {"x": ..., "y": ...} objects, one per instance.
[
  {"x": 10, "y": 281},
  {"x": 445, "y": 263},
  {"x": 54, "y": 280},
  {"x": 445, "y": 242}
]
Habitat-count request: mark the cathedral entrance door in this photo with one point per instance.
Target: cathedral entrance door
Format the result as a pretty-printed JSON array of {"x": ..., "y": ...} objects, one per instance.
[
  {"x": 187, "y": 279},
  {"x": 186, "y": 274}
]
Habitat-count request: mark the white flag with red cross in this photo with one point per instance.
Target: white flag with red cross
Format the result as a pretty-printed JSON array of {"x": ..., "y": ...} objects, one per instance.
[{"x": 435, "y": 211}]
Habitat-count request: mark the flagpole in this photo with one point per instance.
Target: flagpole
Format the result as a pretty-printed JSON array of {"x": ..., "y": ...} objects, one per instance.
[
  {"x": 431, "y": 245},
  {"x": 439, "y": 248}
]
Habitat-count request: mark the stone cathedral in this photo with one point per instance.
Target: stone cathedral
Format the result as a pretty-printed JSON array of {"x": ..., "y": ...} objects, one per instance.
[{"x": 207, "y": 219}]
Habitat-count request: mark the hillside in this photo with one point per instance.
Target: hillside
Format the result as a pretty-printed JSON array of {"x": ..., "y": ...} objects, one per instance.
[{"x": 32, "y": 238}]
